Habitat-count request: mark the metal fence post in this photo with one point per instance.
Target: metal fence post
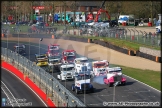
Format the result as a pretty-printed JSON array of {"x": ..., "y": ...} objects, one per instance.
[
  {"x": 46, "y": 88},
  {"x": 39, "y": 78},
  {"x": 130, "y": 33},
  {"x": 52, "y": 86},
  {"x": 145, "y": 36},
  {"x": 132, "y": 37}
]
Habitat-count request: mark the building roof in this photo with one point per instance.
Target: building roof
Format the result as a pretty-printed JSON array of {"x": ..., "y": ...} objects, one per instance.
[
  {"x": 81, "y": 58},
  {"x": 67, "y": 65},
  {"x": 69, "y": 51}
]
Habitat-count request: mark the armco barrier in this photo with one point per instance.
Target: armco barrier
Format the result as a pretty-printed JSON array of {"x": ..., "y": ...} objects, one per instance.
[
  {"x": 52, "y": 88},
  {"x": 150, "y": 57},
  {"x": 29, "y": 83}
]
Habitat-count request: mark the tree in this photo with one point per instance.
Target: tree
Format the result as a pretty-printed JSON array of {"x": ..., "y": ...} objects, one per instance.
[{"x": 73, "y": 7}]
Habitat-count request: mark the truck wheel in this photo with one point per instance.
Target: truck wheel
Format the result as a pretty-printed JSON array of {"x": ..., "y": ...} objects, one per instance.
[
  {"x": 123, "y": 83},
  {"x": 93, "y": 75},
  {"x": 58, "y": 78},
  {"x": 72, "y": 88},
  {"x": 92, "y": 90},
  {"x": 61, "y": 79},
  {"x": 109, "y": 84},
  {"x": 76, "y": 90}
]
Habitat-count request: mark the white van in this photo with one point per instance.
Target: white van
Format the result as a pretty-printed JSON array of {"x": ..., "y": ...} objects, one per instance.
[{"x": 124, "y": 18}]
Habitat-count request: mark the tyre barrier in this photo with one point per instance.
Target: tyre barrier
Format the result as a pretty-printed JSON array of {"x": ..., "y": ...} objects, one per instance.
[
  {"x": 32, "y": 35},
  {"x": 114, "y": 47},
  {"x": 95, "y": 41},
  {"x": 117, "y": 48},
  {"x": 102, "y": 43},
  {"x": 150, "y": 57}
]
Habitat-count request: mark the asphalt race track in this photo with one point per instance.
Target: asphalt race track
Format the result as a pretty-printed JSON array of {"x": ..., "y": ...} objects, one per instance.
[
  {"x": 19, "y": 89},
  {"x": 133, "y": 91}
]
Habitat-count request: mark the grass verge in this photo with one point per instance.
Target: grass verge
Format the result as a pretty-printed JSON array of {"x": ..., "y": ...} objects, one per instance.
[
  {"x": 121, "y": 43},
  {"x": 149, "y": 77}
]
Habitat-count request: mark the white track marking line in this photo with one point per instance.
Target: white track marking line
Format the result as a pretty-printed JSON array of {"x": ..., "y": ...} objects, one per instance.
[
  {"x": 142, "y": 83},
  {"x": 8, "y": 94},
  {"x": 28, "y": 87}
]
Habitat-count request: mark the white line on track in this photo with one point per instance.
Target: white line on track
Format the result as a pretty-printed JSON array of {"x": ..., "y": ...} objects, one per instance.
[
  {"x": 9, "y": 95},
  {"x": 28, "y": 87},
  {"x": 142, "y": 83}
]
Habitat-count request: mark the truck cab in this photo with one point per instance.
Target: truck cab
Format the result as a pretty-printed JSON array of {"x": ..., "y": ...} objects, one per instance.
[
  {"x": 53, "y": 50},
  {"x": 81, "y": 62},
  {"x": 114, "y": 75},
  {"x": 68, "y": 56},
  {"x": 41, "y": 59},
  {"x": 66, "y": 72},
  {"x": 54, "y": 62},
  {"x": 82, "y": 84},
  {"x": 20, "y": 49},
  {"x": 99, "y": 67}
]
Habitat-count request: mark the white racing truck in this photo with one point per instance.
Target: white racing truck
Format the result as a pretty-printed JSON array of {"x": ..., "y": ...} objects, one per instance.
[
  {"x": 82, "y": 84},
  {"x": 67, "y": 72},
  {"x": 99, "y": 67},
  {"x": 80, "y": 63}
]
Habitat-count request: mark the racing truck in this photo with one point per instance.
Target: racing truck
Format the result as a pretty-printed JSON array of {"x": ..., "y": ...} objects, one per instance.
[
  {"x": 54, "y": 62},
  {"x": 41, "y": 59},
  {"x": 99, "y": 68},
  {"x": 66, "y": 72},
  {"x": 53, "y": 50},
  {"x": 82, "y": 84},
  {"x": 68, "y": 56},
  {"x": 80, "y": 62},
  {"x": 114, "y": 75},
  {"x": 20, "y": 49}
]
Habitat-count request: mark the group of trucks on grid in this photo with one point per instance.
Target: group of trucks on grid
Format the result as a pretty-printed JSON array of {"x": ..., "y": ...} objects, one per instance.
[{"x": 79, "y": 69}]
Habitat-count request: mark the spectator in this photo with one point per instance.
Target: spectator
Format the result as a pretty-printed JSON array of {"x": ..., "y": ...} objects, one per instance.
[
  {"x": 159, "y": 42},
  {"x": 71, "y": 19},
  {"x": 155, "y": 21}
]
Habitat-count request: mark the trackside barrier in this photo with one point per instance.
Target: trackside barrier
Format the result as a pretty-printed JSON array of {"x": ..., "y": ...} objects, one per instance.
[
  {"x": 31, "y": 84},
  {"x": 60, "y": 96}
]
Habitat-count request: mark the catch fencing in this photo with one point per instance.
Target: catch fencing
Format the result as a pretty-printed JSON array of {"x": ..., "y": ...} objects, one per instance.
[
  {"x": 60, "y": 96},
  {"x": 122, "y": 33}
]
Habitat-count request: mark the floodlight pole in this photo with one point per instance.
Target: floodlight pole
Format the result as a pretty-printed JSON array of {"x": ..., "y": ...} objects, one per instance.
[
  {"x": 29, "y": 47},
  {"x": 52, "y": 69},
  {"x": 115, "y": 84},
  {"x": 84, "y": 85},
  {"x": 18, "y": 47},
  {"x": 41, "y": 39},
  {"x": 39, "y": 47}
]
